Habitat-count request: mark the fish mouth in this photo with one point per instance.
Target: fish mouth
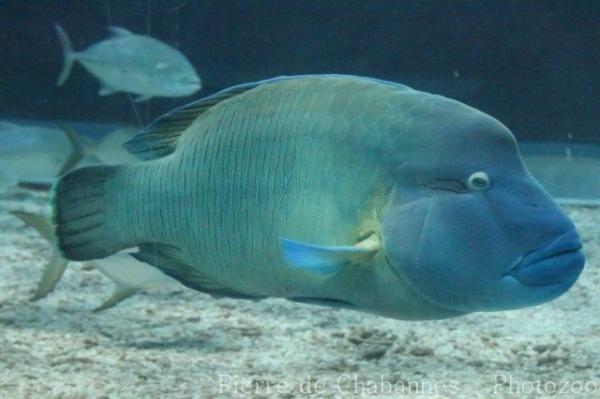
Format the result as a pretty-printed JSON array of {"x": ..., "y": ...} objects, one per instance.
[{"x": 559, "y": 262}]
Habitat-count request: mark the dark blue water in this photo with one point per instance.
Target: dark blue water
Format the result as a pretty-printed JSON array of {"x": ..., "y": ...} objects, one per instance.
[{"x": 533, "y": 65}]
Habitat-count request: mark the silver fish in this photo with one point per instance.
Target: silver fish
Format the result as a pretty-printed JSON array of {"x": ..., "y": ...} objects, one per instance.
[
  {"x": 333, "y": 190},
  {"x": 132, "y": 63},
  {"x": 129, "y": 275},
  {"x": 36, "y": 155},
  {"x": 109, "y": 150}
]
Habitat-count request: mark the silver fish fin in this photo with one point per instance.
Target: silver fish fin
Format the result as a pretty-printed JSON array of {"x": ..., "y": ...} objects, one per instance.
[
  {"x": 68, "y": 53},
  {"x": 118, "y": 31},
  {"x": 142, "y": 98},
  {"x": 53, "y": 272},
  {"x": 77, "y": 149},
  {"x": 55, "y": 267},
  {"x": 40, "y": 223},
  {"x": 326, "y": 260},
  {"x": 160, "y": 138},
  {"x": 120, "y": 293},
  {"x": 168, "y": 259}
]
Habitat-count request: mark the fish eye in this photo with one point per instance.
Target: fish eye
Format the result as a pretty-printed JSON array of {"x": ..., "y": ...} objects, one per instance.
[{"x": 479, "y": 181}]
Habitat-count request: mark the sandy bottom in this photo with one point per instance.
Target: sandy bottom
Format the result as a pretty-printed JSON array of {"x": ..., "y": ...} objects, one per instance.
[{"x": 180, "y": 343}]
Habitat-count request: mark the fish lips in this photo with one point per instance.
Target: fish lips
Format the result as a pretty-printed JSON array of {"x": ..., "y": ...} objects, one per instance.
[{"x": 557, "y": 263}]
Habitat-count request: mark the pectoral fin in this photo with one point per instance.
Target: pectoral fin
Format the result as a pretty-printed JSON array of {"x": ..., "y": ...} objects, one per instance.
[{"x": 325, "y": 260}]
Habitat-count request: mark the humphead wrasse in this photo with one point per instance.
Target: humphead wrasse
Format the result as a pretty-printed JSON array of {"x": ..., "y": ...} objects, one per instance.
[{"x": 334, "y": 190}]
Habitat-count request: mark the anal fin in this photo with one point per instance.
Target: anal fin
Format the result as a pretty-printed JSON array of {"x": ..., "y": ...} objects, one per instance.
[{"x": 168, "y": 259}]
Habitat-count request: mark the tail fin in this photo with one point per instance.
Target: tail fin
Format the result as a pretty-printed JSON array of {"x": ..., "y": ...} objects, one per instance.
[
  {"x": 79, "y": 214},
  {"x": 56, "y": 265},
  {"x": 68, "y": 52}
]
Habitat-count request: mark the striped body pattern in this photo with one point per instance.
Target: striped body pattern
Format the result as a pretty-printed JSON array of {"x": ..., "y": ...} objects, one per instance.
[{"x": 281, "y": 160}]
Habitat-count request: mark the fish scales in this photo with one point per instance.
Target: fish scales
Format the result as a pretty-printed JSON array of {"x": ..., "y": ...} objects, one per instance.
[
  {"x": 284, "y": 130},
  {"x": 248, "y": 142},
  {"x": 260, "y": 166}
]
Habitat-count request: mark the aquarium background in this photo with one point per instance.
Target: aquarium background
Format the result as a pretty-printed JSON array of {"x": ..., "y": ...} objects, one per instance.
[{"x": 534, "y": 65}]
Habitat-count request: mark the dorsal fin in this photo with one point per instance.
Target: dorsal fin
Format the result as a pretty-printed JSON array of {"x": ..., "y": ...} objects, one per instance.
[{"x": 160, "y": 138}]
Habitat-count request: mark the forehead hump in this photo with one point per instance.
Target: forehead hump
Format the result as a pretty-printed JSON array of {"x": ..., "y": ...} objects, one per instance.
[{"x": 462, "y": 128}]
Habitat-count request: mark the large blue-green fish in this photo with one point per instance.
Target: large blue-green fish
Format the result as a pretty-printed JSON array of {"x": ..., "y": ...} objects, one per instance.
[{"x": 335, "y": 190}]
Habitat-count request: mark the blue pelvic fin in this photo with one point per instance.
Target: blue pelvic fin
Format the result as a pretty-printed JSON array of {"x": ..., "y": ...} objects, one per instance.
[{"x": 325, "y": 260}]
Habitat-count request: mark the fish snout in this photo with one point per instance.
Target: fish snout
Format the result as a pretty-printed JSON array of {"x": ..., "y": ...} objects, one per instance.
[{"x": 559, "y": 262}]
